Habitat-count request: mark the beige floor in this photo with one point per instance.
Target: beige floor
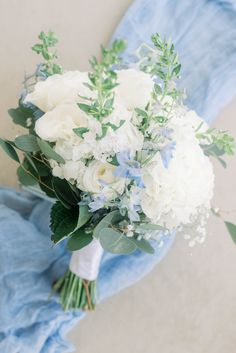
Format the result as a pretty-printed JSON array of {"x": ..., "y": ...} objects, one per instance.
[{"x": 187, "y": 305}]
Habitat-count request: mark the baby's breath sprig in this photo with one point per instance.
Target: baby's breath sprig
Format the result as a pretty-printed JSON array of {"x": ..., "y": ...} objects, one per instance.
[
  {"x": 102, "y": 81},
  {"x": 49, "y": 67}
]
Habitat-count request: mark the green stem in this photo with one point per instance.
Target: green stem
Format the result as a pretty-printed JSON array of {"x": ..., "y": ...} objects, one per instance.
[{"x": 75, "y": 292}]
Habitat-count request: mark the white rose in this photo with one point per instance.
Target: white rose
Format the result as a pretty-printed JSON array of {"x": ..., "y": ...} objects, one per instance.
[
  {"x": 59, "y": 89},
  {"x": 99, "y": 177},
  {"x": 134, "y": 89},
  {"x": 60, "y": 122}
]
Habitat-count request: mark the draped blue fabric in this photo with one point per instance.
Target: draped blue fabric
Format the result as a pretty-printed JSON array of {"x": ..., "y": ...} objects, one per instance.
[{"x": 30, "y": 321}]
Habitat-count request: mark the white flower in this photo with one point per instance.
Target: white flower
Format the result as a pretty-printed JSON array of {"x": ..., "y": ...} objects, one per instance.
[
  {"x": 174, "y": 195},
  {"x": 71, "y": 171},
  {"x": 59, "y": 89},
  {"x": 60, "y": 122},
  {"x": 127, "y": 137},
  {"x": 99, "y": 177},
  {"x": 134, "y": 89}
]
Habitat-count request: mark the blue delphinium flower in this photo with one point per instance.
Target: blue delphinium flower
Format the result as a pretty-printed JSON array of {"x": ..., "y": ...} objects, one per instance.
[
  {"x": 130, "y": 202},
  {"x": 129, "y": 168},
  {"x": 97, "y": 202},
  {"x": 166, "y": 132},
  {"x": 167, "y": 153}
]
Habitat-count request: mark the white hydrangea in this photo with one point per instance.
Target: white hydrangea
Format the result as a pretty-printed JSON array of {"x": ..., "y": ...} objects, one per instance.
[{"x": 173, "y": 195}]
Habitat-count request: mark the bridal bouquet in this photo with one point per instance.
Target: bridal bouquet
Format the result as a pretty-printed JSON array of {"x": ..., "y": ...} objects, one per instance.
[{"x": 126, "y": 162}]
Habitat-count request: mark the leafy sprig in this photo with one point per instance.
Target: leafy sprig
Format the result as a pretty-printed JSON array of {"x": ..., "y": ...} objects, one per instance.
[
  {"x": 217, "y": 143},
  {"x": 162, "y": 63},
  {"x": 48, "y": 41},
  {"x": 102, "y": 81}
]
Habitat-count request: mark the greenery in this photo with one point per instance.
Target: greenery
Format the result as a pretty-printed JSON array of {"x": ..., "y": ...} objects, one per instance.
[
  {"x": 161, "y": 62},
  {"x": 75, "y": 292},
  {"x": 216, "y": 143},
  {"x": 102, "y": 81},
  {"x": 47, "y": 42},
  {"x": 232, "y": 230}
]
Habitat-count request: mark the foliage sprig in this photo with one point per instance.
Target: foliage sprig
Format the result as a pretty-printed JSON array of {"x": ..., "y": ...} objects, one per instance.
[{"x": 48, "y": 41}]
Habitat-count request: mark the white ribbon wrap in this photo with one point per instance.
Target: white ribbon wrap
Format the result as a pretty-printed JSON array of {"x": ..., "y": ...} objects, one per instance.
[{"x": 85, "y": 262}]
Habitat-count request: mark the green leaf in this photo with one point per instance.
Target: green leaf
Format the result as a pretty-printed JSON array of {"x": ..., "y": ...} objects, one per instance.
[
  {"x": 114, "y": 161},
  {"x": 141, "y": 113},
  {"x": 80, "y": 131},
  {"x": 47, "y": 186},
  {"x": 79, "y": 240},
  {"x": 143, "y": 245},
  {"x": 37, "y": 48},
  {"x": 25, "y": 178},
  {"x": 63, "y": 221},
  {"x": 27, "y": 143},
  {"x": 116, "y": 127},
  {"x": 9, "y": 149},
  {"x": 49, "y": 152},
  {"x": 232, "y": 230},
  {"x": 116, "y": 242},
  {"x": 157, "y": 89},
  {"x": 64, "y": 193},
  {"x": 20, "y": 115},
  {"x": 176, "y": 70},
  {"x": 216, "y": 150},
  {"x": 86, "y": 108},
  {"x": 111, "y": 218},
  {"x": 84, "y": 216},
  {"x": 222, "y": 162},
  {"x": 43, "y": 169}
]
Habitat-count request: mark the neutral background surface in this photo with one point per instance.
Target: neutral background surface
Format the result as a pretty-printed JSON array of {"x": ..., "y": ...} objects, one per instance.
[{"x": 187, "y": 304}]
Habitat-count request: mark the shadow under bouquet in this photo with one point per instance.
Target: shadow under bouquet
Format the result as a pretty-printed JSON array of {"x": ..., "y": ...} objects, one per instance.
[{"x": 124, "y": 160}]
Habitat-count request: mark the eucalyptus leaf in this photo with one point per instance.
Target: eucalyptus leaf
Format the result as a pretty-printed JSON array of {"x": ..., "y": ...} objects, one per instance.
[
  {"x": 143, "y": 245},
  {"x": 49, "y": 152},
  {"x": 20, "y": 115},
  {"x": 25, "y": 178},
  {"x": 9, "y": 149},
  {"x": 111, "y": 218},
  {"x": 116, "y": 242},
  {"x": 27, "y": 143},
  {"x": 79, "y": 239},
  {"x": 232, "y": 230}
]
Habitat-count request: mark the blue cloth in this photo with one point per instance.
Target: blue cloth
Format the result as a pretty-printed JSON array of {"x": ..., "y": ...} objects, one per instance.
[{"x": 30, "y": 321}]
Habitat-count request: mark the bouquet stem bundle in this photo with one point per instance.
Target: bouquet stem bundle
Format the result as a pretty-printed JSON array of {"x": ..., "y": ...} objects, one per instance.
[{"x": 76, "y": 292}]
